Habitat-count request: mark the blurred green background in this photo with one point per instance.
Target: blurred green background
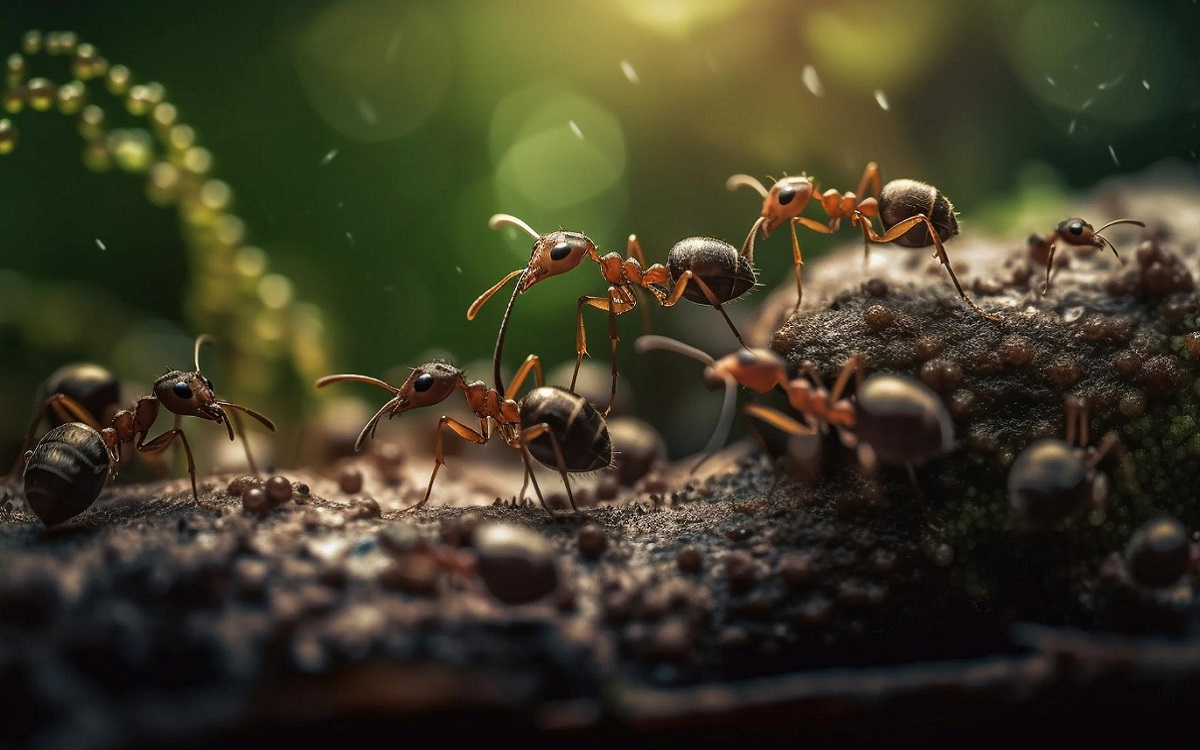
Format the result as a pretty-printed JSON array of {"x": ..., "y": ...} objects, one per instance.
[{"x": 365, "y": 143}]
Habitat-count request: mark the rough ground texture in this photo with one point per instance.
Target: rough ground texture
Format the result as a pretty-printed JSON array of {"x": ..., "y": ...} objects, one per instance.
[{"x": 715, "y": 604}]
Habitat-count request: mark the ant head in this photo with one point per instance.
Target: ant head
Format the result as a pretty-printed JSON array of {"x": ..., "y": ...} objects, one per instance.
[
  {"x": 188, "y": 394},
  {"x": 555, "y": 253},
  {"x": 429, "y": 384},
  {"x": 1077, "y": 231},
  {"x": 785, "y": 200},
  {"x": 757, "y": 369}
]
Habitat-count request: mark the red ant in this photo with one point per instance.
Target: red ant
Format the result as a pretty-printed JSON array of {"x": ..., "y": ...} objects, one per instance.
[
  {"x": 557, "y": 252},
  {"x": 560, "y": 429},
  {"x": 913, "y": 214},
  {"x": 891, "y": 419},
  {"x": 1076, "y": 232},
  {"x": 185, "y": 394}
]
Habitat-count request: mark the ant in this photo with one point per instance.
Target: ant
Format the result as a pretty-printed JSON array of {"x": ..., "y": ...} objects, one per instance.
[
  {"x": 1074, "y": 231},
  {"x": 554, "y": 253},
  {"x": 66, "y": 470},
  {"x": 1054, "y": 481},
  {"x": 891, "y": 419},
  {"x": 559, "y": 428},
  {"x": 913, "y": 214}
]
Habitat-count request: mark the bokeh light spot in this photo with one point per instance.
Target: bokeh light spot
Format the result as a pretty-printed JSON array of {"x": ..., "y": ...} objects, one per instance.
[
  {"x": 538, "y": 149},
  {"x": 376, "y": 69}
]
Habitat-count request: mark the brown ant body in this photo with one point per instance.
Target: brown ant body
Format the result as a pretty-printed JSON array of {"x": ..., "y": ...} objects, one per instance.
[
  {"x": 891, "y": 419},
  {"x": 65, "y": 471},
  {"x": 1076, "y": 232},
  {"x": 913, "y": 214},
  {"x": 557, "y": 252},
  {"x": 1054, "y": 481},
  {"x": 560, "y": 429}
]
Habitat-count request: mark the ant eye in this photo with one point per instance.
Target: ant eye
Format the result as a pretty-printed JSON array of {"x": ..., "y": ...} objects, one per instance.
[
  {"x": 1075, "y": 227},
  {"x": 560, "y": 251},
  {"x": 423, "y": 382},
  {"x": 786, "y": 195},
  {"x": 182, "y": 390}
]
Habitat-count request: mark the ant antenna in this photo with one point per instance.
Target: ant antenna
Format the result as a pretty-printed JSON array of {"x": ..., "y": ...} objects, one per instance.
[
  {"x": 498, "y": 220},
  {"x": 745, "y": 180},
  {"x": 725, "y": 423},
  {"x": 1111, "y": 223}
]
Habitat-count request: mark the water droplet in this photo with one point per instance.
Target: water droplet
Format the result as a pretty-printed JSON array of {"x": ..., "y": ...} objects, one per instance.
[
  {"x": 100, "y": 244},
  {"x": 812, "y": 81},
  {"x": 575, "y": 129},
  {"x": 630, "y": 73},
  {"x": 333, "y": 152},
  {"x": 1113, "y": 154},
  {"x": 1050, "y": 81},
  {"x": 881, "y": 100}
]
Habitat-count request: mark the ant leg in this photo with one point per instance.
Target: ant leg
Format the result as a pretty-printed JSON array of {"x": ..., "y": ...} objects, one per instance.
[
  {"x": 853, "y": 366},
  {"x": 613, "y": 307},
  {"x": 533, "y": 432},
  {"x": 1049, "y": 265},
  {"x": 528, "y": 459},
  {"x": 780, "y": 421},
  {"x": 797, "y": 259},
  {"x": 872, "y": 178},
  {"x": 920, "y": 497},
  {"x": 680, "y": 286},
  {"x": 940, "y": 253},
  {"x": 241, "y": 433},
  {"x": 439, "y": 453},
  {"x": 162, "y": 442},
  {"x": 56, "y": 401},
  {"x": 532, "y": 363}
]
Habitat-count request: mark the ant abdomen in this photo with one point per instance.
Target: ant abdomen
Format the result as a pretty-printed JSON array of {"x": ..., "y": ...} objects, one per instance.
[
  {"x": 1050, "y": 483},
  {"x": 65, "y": 472},
  {"x": 904, "y": 199},
  {"x": 715, "y": 262},
  {"x": 902, "y": 420},
  {"x": 576, "y": 425},
  {"x": 91, "y": 386}
]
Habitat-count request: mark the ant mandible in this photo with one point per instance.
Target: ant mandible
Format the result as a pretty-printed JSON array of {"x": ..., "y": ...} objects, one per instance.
[
  {"x": 891, "y": 419},
  {"x": 558, "y": 252},
  {"x": 913, "y": 214},
  {"x": 184, "y": 394},
  {"x": 560, "y": 429},
  {"x": 1076, "y": 232}
]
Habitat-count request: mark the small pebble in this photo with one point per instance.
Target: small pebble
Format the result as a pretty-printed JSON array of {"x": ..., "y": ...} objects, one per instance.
[
  {"x": 350, "y": 480},
  {"x": 516, "y": 563},
  {"x": 689, "y": 560},
  {"x": 278, "y": 489},
  {"x": 592, "y": 541},
  {"x": 254, "y": 501}
]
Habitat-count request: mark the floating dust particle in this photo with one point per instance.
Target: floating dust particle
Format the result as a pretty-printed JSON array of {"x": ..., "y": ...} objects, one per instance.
[
  {"x": 812, "y": 81},
  {"x": 350, "y": 239},
  {"x": 881, "y": 100},
  {"x": 1145, "y": 84},
  {"x": 1050, "y": 81},
  {"x": 1113, "y": 154},
  {"x": 630, "y": 73},
  {"x": 333, "y": 152},
  {"x": 367, "y": 112},
  {"x": 575, "y": 129},
  {"x": 100, "y": 244}
]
